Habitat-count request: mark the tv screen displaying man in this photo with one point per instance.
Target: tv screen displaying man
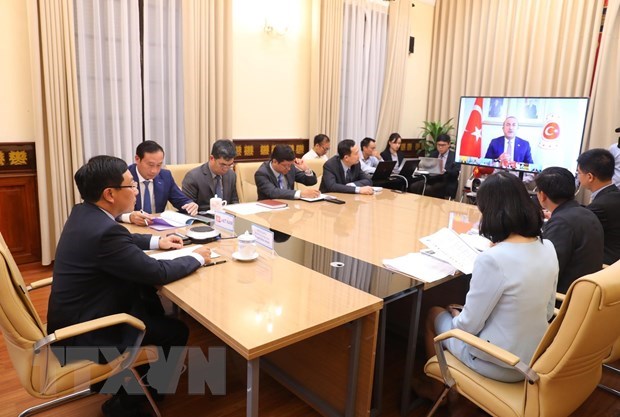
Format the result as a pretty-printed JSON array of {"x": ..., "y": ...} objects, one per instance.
[{"x": 510, "y": 148}]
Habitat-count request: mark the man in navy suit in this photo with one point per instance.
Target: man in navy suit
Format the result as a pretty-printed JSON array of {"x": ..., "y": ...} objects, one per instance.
[
  {"x": 510, "y": 148},
  {"x": 276, "y": 178},
  {"x": 595, "y": 169},
  {"x": 156, "y": 185},
  {"x": 574, "y": 230},
  {"x": 342, "y": 173},
  {"x": 101, "y": 269}
]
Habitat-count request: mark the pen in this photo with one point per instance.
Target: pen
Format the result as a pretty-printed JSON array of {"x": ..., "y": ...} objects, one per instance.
[
  {"x": 146, "y": 223},
  {"x": 215, "y": 263}
]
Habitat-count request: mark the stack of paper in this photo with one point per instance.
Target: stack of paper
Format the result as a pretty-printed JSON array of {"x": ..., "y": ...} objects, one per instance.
[{"x": 420, "y": 267}]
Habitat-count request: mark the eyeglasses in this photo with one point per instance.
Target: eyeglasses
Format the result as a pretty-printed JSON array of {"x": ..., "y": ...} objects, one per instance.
[
  {"x": 224, "y": 165},
  {"x": 134, "y": 185}
]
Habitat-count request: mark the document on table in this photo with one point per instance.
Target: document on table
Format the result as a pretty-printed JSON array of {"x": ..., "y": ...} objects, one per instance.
[
  {"x": 451, "y": 247},
  {"x": 173, "y": 254},
  {"x": 249, "y": 208},
  {"x": 421, "y": 267}
]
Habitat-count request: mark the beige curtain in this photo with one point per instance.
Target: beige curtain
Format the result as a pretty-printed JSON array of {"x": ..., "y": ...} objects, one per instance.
[
  {"x": 207, "y": 62},
  {"x": 395, "y": 67},
  {"x": 605, "y": 99},
  {"x": 511, "y": 47},
  {"x": 57, "y": 118},
  {"x": 325, "y": 72}
]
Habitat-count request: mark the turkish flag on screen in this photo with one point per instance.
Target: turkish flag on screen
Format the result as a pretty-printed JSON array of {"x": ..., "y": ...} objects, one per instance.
[{"x": 471, "y": 142}]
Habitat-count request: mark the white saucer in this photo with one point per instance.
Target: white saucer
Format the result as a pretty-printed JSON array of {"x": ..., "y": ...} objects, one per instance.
[{"x": 238, "y": 257}]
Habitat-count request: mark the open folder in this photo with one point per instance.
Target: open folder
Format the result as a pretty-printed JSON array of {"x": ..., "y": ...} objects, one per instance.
[{"x": 172, "y": 219}]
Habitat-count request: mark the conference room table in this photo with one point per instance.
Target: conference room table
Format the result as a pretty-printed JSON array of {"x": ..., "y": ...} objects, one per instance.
[
  {"x": 297, "y": 324},
  {"x": 349, "y": 242}
]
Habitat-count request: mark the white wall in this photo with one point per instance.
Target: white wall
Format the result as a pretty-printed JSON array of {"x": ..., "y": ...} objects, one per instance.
[
  {"x": 418, "y": 70},
  {"x": 271, "y": 72},
  {"x": 16, "y": 117}
]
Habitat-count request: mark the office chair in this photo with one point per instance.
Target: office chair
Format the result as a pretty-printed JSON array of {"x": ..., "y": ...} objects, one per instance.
[
  {"x": 29, "y": 345},
  {"x": 566, "y": 366},
  {"x": 246, "y": 184}
]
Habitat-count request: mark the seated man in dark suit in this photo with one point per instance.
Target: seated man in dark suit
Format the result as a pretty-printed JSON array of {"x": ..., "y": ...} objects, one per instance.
[
  {"x": 342, "y": 173},
  {"x": 595, "y": 169},
  {"x": 101, "y": 268},
  {"x": 276, "y": 178},
  {"x": 215, "y": 177},
  {"x": 509, "y": 148},
  {"x": 574, "y": 230},
  {"x": 155, "y": 186},
  {"x": 446, "y": 184}
]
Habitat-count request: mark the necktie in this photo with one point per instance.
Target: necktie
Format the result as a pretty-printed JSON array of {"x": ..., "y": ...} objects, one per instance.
[
  {"x": 218, "y": 186},
  {"x": 146, "y": 206},
  {"x": 347, "y": 177},
  {"x": 442, "y": 163},
  {"x": 509, "y": 148},
  {"x": 280, "y": 182}
]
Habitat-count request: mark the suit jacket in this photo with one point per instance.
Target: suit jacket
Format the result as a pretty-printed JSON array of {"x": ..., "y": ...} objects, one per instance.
[
  {"x": 606, "y": 206},
  {"x": 267, "y": 183},
  {"x": 100, "y": 269},
  {"x": 451, "y": 176},
  {"x": 334, "y": 177},
  {"x": 577, "y": 236},
  {"x": 522, "y": 150},
  {"x": 164, "y": 188},
  {"x": 199, "y": 185},
  {"x": 387, "y": 156}
]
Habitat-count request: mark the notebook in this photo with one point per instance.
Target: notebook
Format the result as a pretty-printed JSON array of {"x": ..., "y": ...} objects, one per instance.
[
  {"x": 430, "y": 166},
  {"x": 383, "y": 170},
  {"x": 409, "y": 166},
  {"x": 402, "y": 164}
]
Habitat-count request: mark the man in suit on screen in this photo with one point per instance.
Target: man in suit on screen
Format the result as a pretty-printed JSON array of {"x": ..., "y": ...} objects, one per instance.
[
  {"x": 510, "y": 148},
  {"x": 276, "y": 178}
]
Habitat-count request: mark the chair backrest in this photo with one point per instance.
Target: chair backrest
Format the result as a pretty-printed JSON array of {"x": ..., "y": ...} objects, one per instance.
[
  {"x": 178, "y": 172},
  {"x": 569, "y": 358},
  {"x": 19, "y": 321},
  {"x": 246, "y": 185},
  {"x": 315, "y": 164}
]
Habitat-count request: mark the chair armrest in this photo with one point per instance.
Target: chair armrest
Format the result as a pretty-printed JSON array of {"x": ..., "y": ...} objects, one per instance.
[
  {"x": 495, "y": 351},
  {"x": 89, "y": 326},
  {"x": 560, "y": 297},
  {"x": 39, "y": 284}
]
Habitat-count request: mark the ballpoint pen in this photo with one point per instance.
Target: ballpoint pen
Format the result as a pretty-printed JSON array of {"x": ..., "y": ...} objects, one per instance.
[
  {"x": 146, "y": 223},
  {"x": 215, "y": 263}
]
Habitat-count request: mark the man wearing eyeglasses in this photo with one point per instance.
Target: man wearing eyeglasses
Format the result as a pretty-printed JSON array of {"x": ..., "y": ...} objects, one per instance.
[
  {"x": 319, "y": 149},
  {"x": 276, "y": 178},
  {"x": 155, "y": 186},
  {"x": 215, "y": 177},
  {"x": 101, "y": 269}
]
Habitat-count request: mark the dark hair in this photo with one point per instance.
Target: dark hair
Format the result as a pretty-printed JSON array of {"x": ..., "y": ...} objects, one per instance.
[
  {"x": 282, "y": 153},
  {"x": 365, "y": 142},
  {"x": 318, "y": 139},
  {"x": 443, "y": 138},
  {"x": 223, "y": 148},
  {"x": 598, "y": 162},
  {"x": 99, "y": 173},
  {"x": 148, "y": 146},
  {"x": 507, "y": 208},
  {"x": 393, "y": 138},
  {"x": 344, "y": 147},
  {"x": 557, "y": 183}
]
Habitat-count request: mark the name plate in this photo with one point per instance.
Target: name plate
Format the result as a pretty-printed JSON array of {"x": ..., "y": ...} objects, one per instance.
[
  {"x": 224, "y": 221},
  {"x": 264, "y": 237}
]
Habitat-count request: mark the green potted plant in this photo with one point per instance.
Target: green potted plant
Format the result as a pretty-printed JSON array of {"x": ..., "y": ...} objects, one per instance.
[{"x": 431, "y": 130}]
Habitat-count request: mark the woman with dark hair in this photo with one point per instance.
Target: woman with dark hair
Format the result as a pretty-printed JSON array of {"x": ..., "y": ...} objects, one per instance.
[
  {"x": 512, "y": 290},
  {"x": 392, "y": 150}
]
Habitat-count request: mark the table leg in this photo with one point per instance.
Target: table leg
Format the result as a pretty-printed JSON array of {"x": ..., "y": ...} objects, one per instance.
[
  {"x": 252, "y": 388},
  {"x": 414, "y": 322}
]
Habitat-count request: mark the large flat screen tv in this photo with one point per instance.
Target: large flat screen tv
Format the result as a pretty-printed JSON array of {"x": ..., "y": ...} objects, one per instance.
[{"x": 525, "y": 134}]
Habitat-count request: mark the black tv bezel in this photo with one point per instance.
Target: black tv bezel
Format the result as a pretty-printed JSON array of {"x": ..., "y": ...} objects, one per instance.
[{"x": 458, "y": 121}]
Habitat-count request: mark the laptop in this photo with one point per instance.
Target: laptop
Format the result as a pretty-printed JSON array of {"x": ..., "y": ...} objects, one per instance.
[
  {"x": 409, "y": 167},
  {"x": 429, "y": 166},
  {"x": 383, "y": 170},
  {"x": 402, "y": 164}
]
